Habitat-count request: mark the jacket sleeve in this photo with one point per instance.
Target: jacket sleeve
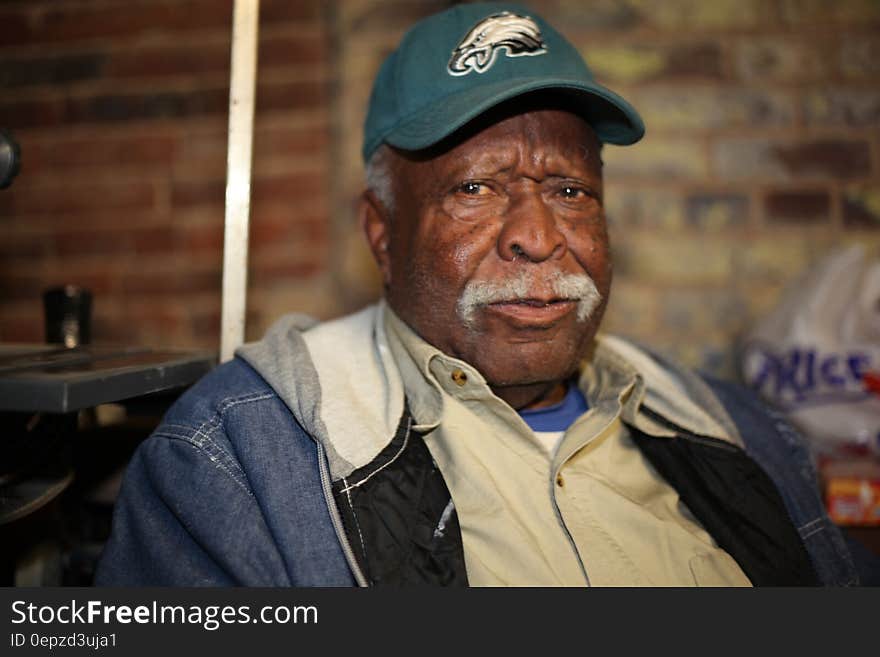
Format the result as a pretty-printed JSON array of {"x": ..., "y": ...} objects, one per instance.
[
  {"x": 785, "y": 456},
  {"x": 185, "y": 517}
]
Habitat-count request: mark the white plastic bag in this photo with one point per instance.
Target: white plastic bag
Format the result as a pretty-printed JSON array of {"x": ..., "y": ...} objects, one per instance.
[{"x": 817, "y": 354}]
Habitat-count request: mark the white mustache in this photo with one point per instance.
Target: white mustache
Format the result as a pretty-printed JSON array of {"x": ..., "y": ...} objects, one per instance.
[{"x": 576, "y": 287}]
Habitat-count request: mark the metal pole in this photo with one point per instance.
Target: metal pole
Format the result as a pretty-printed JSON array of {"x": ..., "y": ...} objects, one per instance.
[{"x": 238, "y": 174}]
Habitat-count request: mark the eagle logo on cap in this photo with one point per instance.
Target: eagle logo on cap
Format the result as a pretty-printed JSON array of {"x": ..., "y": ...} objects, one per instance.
[{"x": 516, "y": 35}]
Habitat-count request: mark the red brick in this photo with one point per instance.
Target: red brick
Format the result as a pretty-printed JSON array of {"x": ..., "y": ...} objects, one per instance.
[
  {"x": 96, "y": 150},
  {"x": 29, "y": 287},
  {"x": 837, "y": 158},
  {"x": 23, "y": 285},
  {"x": 289, "y": 260},
  {"x": 157, "y": 270},
  {"x": 78, "y": 198},
  {"x": 286, "y": 227},
  {"x": 281, "y": 11},
  {"x": 98, "y": 274},
  {"x": 315, "y": 231},
  {"x": 290, "y": 96},
  {"x": 278, "y": 141},
  {"x": 101, "y": 283},
  {"x": 262, "y": 273},
  {"x": 116, "y": 107},
  {"x": 202, "y": 154},
  {"x": 16, "y": 21},
  {"x": 73, "y": 242},
  {"x": 16, "y": 328},
  {"x": 798, "y": 206},
  {"x": 176, "y": 60},
  {"x": 390, "y": 15},
  {"x": 304, "y": 50},
  {"x": 42, "y": 70},
  {"x": 171, "y": 283},
  {"x": 19, "y": 115},
  {"x": 206, "y": 323},
  {"x": 152, "y": 322},
  {"x": 94, "y": 219},
  {"x": 77, "y": 22},
  {"x": 270, "y": 232},
  {"x": 112, "y": 330},
  {"x": 154, "y": 240},
  {"x": 157, "y": 104},
  {"x": 24, "y": 247},
  {"x": 189, "y": 193},
  {"x": 203, "y": 238},
  {"x": 293, "y": 188}
]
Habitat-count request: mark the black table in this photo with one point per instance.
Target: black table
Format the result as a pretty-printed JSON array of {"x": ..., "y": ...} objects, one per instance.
[
  {"x": 56, "y": 381},
  {"x": 41, "y": 378}
]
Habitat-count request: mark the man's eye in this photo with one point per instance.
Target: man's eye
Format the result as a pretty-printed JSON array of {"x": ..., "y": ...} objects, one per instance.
[
  {"x": 570, "y": 191},
  {"x": 472, "y": 188}
]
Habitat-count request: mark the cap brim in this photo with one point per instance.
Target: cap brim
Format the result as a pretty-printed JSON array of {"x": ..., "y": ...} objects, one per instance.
[{"x": 613, "y": 119}]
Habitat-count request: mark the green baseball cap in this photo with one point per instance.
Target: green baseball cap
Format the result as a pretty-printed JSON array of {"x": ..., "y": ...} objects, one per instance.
[{"x": 451, "y": 67}]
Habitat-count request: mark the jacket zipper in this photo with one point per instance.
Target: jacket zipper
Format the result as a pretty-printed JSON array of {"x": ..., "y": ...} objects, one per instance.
[
  {"x": 326, "y": 487},
  {"x": 571, "y": 542}
]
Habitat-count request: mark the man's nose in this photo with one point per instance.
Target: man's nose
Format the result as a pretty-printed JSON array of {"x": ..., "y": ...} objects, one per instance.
[{"x": 530, "y": 230}]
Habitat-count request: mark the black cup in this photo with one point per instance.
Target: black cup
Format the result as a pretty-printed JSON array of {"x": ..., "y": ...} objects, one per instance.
[{"x": 68, "y": 311}]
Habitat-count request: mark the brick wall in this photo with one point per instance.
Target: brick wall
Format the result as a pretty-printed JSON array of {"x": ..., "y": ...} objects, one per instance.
[
  {"x": 762, "y": 154},
  {"x": 120, "y": 107}
]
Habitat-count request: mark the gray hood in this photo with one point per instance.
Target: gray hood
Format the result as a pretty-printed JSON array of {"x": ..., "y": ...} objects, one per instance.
[{"x": 339, "y": 380}]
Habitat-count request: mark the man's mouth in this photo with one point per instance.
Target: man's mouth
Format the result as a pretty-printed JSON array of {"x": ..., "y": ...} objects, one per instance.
[{"x": 533, "y": 312}]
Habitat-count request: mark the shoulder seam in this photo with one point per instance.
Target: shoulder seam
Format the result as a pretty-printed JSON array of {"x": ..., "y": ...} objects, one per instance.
[{"x": 201, "y": 437}]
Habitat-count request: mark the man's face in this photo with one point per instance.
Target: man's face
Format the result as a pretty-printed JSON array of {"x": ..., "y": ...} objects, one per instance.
[{"x": 494, "y": 247}]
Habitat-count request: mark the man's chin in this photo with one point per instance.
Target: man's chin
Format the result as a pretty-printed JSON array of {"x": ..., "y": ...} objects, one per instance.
[
  {"x": 522, "y": 357},
  {"x": 525, "y": 369}
]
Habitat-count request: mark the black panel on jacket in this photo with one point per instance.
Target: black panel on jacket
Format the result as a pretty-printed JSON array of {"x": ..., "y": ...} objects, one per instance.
[
  {"x": 736, "y": 502},
  {"x": 392, "y": 510}
]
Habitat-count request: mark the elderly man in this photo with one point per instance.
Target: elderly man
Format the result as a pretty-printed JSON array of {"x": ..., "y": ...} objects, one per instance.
[{"x": 471, "y": 427}]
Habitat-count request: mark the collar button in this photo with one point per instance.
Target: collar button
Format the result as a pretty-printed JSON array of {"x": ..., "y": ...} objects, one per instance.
[{"x": 459, "y": 377}]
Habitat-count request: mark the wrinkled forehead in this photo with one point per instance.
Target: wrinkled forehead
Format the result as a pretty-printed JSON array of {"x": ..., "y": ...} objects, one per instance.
[{"x": 546, "y": 142}]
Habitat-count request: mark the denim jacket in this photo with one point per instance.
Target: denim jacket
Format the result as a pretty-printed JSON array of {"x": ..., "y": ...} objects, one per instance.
[{"x": 229, "y": 490}]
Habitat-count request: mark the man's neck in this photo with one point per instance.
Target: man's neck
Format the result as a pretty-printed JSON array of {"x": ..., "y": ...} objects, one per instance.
[{"x": 532, "y": 396}]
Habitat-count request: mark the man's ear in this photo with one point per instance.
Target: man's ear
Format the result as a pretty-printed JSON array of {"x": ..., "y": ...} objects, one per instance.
[{"x": 375, "y": 222}]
